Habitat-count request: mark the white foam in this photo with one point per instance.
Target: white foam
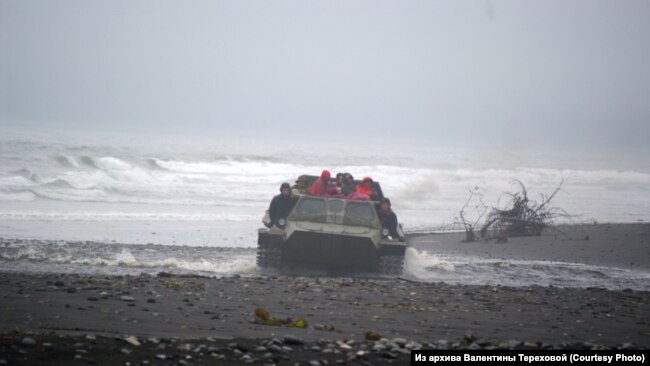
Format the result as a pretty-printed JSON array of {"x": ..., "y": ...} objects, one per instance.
[
  {"x": 124, "y": 216},
  {"x": 426, "y": 267},
  {"x": 20, "y": 196},
  {"x": 111, "y": 163},
  {"x": 417, "y": 263},
  {"x": 236, "y": 265},
  {"x": 16, "y": 181},
  {"x": 425, "y": 190},
  {"x": 126, "y": 259}
]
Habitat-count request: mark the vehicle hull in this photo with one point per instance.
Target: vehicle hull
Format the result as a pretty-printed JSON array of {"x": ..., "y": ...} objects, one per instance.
[{"x": 333, "y": 252}]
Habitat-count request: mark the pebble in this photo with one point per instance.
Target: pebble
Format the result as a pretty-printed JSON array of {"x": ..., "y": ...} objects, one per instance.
[
  {"x": 290, "y": 339},
  {"x": 513, "y": 344},
  {"x": 530, "y": 344},
  {"x": 314, "y": 363},
  {"x": 403, "y": 351},
  {"x": 127, "y": 298},
  {"x": 344, "y": 346},
  {"x": 275, "y": 348},
  {"x": 92, "y": 298},
  {"x": 392, "y": 346},
  {"x": 161, "y": 356},
  {"x": 27, "y": 341},
  {"x": 151, "y": 301},
  {"x": 199, "y": 349},
  {"x": 125, "y": 351},
  {"x": 72, "y": 290},
  {"x": 133, "y": 340},
  {"x": 389, "y": 355}
]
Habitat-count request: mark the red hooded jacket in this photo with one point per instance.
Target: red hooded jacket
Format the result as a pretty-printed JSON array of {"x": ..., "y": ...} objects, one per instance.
[{"x": 319, "y": 187}]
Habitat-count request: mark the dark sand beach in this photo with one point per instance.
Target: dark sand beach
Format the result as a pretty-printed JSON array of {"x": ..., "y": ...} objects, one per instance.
[{"x": 169, "y": 319}]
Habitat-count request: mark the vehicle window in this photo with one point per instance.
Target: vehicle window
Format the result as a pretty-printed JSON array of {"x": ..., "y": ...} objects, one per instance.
[
  {"x": 359, "y": 211},
  {"x": 310, "y": 206},
  {"x": 336, "y": 206}
]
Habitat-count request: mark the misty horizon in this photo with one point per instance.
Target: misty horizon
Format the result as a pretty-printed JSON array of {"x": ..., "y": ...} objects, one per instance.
[{"x": 508, "y": 74}]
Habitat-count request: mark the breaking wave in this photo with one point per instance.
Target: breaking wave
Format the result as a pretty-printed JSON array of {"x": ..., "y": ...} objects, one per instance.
[
  {"x": 117, "y": 259},
  {"x": 428, "y": 267},
  {"x": 66, "y": 161},
  {"x": 96, "y": 180},
  {"x": 417, "y": 191},
  {"x": 124, "y": 216}
]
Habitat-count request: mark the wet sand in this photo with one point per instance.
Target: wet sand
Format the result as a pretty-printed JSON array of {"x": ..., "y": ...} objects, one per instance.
[
  {"x": 613, "y": 245},
  {"x": 82, "y": 319}
]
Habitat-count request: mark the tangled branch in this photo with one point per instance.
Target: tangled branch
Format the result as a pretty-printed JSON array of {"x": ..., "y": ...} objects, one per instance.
[{"x": 522, "y": 217}]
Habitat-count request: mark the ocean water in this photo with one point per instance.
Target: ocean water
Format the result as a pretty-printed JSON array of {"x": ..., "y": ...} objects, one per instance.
[{"x": 116, "y": 204}]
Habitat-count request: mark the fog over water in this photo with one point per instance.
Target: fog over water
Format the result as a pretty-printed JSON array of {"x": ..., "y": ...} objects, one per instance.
[{"x": 508, "y": 74}]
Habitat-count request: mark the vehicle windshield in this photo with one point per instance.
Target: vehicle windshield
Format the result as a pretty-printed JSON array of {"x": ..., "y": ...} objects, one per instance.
[
  {"x": 311, "y": 206},
  {"x": 359, "y": 210},
  {"x": 336, "y": 211}
]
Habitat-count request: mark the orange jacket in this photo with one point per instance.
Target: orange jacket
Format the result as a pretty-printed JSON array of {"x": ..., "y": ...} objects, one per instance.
[{"x": 363, "y": 189}]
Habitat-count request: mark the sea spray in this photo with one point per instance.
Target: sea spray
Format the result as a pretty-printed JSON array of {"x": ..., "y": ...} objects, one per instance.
[{"x": 423, "y": 266}]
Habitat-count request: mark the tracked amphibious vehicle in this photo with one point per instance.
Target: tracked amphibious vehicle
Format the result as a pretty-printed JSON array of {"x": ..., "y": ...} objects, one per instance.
[{"x": 332, "y": 233}]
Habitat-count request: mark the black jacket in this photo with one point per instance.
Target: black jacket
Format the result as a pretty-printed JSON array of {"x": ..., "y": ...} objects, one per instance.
[
  {"x": 280, "y": 207},
  {"x": 389, "y": 221}
]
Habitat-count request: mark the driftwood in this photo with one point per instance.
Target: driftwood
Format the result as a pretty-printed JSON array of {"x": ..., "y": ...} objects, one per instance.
[
  {"x": 470, "y": 235},
  {"x": 522, "y": 217}
]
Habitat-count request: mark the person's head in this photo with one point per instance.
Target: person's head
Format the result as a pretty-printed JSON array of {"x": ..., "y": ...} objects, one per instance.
[
  {"x": 285, "y": 189},
  {"x": 367, "y": 181},
  {"x": 339, "y": 178},
  {"x": 348, "y": 178},
  {"x": 325, "y": 175},
  {"x": 301, "y": 182},
  {"x": 385, "y": 204}
]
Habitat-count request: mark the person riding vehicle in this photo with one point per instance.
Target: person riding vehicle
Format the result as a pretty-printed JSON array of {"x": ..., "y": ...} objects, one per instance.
[
  {"x": 388, "y": 218},
  {"x": 281, "y": 205}
]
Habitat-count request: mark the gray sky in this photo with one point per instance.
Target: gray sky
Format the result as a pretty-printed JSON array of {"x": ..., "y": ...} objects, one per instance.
[{"x": 538, "y": 72}]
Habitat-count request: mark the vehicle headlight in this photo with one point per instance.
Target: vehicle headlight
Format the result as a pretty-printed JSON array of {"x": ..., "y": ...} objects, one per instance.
[
  {"x": 385, "y": 232},
  {"x": 282, "y": 223}
]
